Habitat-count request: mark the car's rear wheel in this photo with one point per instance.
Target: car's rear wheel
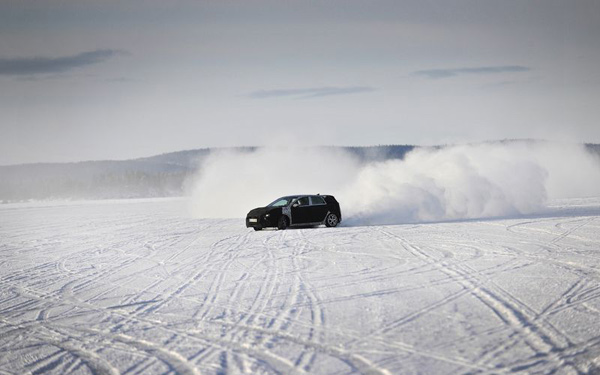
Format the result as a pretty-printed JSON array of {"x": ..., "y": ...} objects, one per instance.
[
  {"x": 332, "y": 220},
  {"x": 283, "y": 222},
  {"x": 255, "y": 228}
]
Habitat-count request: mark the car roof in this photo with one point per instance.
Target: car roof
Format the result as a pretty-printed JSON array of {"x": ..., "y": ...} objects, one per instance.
[{"x": 301, "y": 195}]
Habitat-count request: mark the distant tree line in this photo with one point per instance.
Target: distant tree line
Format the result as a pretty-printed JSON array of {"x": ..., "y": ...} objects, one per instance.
[{"x": 128, "y": 184}]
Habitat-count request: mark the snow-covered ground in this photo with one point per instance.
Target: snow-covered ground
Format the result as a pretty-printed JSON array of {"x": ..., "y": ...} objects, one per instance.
[{"x": 138, "y": 287}]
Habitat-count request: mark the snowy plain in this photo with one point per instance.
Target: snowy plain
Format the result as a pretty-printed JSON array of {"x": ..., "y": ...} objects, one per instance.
[{"x": 139, "y": 287}]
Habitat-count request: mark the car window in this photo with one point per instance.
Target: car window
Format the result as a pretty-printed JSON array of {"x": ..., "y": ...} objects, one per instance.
[
  {"x": 280, "y": 202},
  {"x": 315, "y": 199},
  {"x": 303, "y": 201}
]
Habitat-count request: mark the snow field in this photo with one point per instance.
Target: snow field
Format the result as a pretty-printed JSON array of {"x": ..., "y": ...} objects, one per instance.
[{"x": 138, "y": 287}]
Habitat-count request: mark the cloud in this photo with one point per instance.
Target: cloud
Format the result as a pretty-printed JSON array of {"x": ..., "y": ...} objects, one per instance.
[
  {"x": 46, "y": 65},
  {"x": 307, "y": 93},
  {"x": 446, "y": 73}
]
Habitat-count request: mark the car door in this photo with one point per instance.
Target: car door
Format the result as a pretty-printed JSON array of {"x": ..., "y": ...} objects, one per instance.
[
  {"x": 301, "y": 211},
  {"x": 318, "y": 209}
]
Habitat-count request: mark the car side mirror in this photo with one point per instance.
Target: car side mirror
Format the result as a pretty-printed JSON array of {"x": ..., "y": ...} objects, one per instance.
[{"x": 295, "y": 205}]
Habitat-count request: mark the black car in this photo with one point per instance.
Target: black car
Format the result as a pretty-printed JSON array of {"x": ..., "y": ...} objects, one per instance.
[{"x": 296, "y": 210}]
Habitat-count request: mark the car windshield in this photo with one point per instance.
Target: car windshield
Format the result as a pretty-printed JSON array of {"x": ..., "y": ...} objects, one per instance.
[{"x": 280, "y": 202}]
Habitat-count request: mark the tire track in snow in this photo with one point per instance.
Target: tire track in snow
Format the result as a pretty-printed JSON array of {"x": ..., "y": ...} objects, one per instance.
[
  {"x": 361, "y": 338},
  {"x": 45, "y": 334},
  {"x": 526, "y": 226},
  {"x": 217, "y": 282},
  {"x": 317, "y": 337},
  {"x": 164, "y": 300},
  {"x": 229, "y": 338},
  {"x": 174, "y": 274},
  {"x": 195, "y": 235},
  {"x": 247, "y": 328},
  {"x": 175, "y": 361},
  {"x": 544, "y": 339},
  {"x": 86, "y": 279},
  {"x": 580, "y": 295},
  {"x": 317, "y": 312},
  {"x": 568, "y": 232},
  {"x": 541, "y": 341},
  {"x": 65, "y": 295},
  {"x": 272, "y": 282},
  {"x": 97, "y": 364},
  {"x": 48, "y": 363},
  {"x": 560, "y": 342},
  {"x": 174, "y": 330},
  {"x": 247, "y": 314}
]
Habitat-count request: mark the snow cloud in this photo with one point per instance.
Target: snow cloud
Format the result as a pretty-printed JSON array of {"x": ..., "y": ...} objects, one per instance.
[
  {"x": 429, "y": 184},
  {"x": 230, "y": 183}
]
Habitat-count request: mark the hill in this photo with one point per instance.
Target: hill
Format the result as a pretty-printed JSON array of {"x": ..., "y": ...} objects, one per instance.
[{"x": 155, "y": 176}]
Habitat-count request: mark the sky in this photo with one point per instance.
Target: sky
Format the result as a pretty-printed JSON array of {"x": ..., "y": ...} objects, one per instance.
[{"x": 94, "y": 80}]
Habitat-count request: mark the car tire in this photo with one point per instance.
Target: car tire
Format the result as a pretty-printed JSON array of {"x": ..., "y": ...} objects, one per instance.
[
  {"x": 332, "y": 220},
  {"x": 282, "y": 223},
  {"x": 257, "y": 229}
]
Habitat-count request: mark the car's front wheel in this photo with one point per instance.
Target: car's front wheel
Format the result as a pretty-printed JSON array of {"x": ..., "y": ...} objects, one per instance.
[
  {"x": 332, "y": 220},
  {"x": 282, "y": 223}
]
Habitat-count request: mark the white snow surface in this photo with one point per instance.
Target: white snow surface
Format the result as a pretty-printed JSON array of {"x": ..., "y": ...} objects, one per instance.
[{"x": 139, "y": 287}]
